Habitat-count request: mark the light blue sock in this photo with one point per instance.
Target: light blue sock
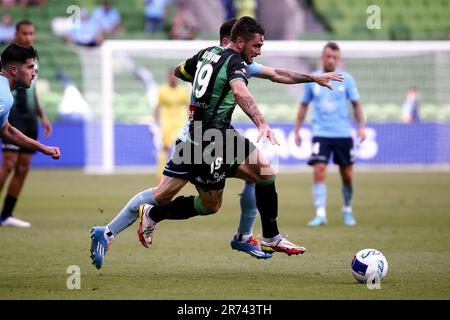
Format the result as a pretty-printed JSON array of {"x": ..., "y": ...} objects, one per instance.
[
  {"x": 319, "y": 191},
  {"x": 347, "y": 192},
  {"x": 249, "y": 212},
  {"x": 129, "y": 213}
]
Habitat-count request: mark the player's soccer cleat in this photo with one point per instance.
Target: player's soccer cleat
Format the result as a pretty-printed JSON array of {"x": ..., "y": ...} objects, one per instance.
[
  {"x": 14, "y": 222},
  {"x": 251, "y": 247},
  {"x": 349, "y": 220},
  {"x": 146, "y": 226},
  {"x": 99, "y": 245},
  {"x": 317, "y": 221},
  {"x": 281, "y": 245}
]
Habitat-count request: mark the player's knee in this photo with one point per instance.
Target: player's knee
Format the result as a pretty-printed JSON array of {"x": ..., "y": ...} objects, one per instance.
[
  {"x": 8, "y": 166},
  {"x": 22, "y": 169},
  {"x": 162, "y": 198},
  {"x": 319, "y": 172},
  {"x": 211, "y": 207}
]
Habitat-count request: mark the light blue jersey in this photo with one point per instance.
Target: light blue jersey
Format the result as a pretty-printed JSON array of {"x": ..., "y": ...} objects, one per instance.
[
  {"x": 6, "y": 100},
  {"x": 331, "y": 118}
]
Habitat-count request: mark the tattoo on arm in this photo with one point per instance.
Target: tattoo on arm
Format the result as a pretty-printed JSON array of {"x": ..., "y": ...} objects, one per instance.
[
  {"x": 248, "y": 105},
  {"x": 287, "y": 76}
]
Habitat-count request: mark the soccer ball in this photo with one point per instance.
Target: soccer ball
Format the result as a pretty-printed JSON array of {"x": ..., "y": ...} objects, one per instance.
[{"x": 369, "y": 265}]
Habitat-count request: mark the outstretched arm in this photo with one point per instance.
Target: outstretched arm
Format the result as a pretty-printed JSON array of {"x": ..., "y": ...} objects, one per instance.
[
  {"x": 246, "y": 101},
  {"x": 292, "y": 77},
  {"x": 14, "y": 136}
]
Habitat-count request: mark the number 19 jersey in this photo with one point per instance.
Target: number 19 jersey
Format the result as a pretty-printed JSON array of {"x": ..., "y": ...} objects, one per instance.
[{"x": 212, "y": 101}]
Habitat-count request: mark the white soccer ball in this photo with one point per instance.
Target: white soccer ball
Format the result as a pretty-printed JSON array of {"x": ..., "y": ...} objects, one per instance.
[{"x": 369, "y": 265}]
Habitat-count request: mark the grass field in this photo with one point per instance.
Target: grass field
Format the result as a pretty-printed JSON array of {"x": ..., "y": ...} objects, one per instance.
[{"x": 404, "y": 215}]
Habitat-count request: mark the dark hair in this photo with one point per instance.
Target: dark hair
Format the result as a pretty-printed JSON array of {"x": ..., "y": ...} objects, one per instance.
[
  {"x": 225, "y": 28},
  {"x": 246, "y": 27},
  {"x": 332, "y": 45},
  {"x": 23, "y": 23},
  {"x": 17, "y": 54}
]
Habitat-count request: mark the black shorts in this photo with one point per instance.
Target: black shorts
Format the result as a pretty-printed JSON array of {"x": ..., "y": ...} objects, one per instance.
[
  {"x": 28, "y": 128},
  {"x": 209, "y": 164},
  {"x": 342, "y": 149}
]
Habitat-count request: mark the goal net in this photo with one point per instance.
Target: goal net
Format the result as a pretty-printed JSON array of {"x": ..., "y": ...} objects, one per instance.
[{"x": 122, "y": 83}]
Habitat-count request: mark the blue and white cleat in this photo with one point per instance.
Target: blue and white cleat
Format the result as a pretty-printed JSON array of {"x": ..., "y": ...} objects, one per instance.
[
  {"x": 251, "y": 247},
  {"x": 317, "y": 221},
  {"x": 349, "y": 220},
  {"x": 99, "y": 245}
]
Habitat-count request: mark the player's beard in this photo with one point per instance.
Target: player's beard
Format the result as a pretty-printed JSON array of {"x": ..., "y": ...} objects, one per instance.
[
  {"x": 329, "y": 68},
  {"x": 23, "y": 84}
]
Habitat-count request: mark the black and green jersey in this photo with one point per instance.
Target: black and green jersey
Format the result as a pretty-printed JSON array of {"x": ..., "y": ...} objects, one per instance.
[{"x": 212, "y": 101}]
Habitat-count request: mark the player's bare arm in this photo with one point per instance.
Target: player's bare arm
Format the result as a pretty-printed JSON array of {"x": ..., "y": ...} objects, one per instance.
[
  {"x": 301, "y": 113},
  {"x": 359, "y": 116},
  {"x": 46, "y": 124},
  {"x": 14, "y": 136},
  {"x": 246, "y": 101},
  {"x": 292, "y": 77}
]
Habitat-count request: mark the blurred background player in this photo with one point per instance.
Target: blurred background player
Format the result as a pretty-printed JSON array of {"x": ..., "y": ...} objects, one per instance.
[
  {"x": 410, "y": 107},
  {"x": 171, "y": 113},
  {"x": 88, "y": 33},
  {"x": 7, "y": 30},
  {"x": 24, "y": 116},
  {"x": 108, "y": 18},
  {"x": 18, "y": 70},
  {"x": 331, "y": 133}
]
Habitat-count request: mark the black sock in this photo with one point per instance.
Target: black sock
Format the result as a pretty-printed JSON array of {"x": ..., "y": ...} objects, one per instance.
[
  {"x": 267, "y": 204},
  {"x": 8, "y": 206},
  {"x": 179, "y": 209}
]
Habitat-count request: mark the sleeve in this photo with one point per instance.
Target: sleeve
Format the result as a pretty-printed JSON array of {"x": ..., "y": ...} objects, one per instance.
[
  {"x": 3, "y": 119},
  {"x": 189, "y": 66},
  {"x": 4, "y": 106},
  {"x": 254, "y": 69},
  {"x": 237, "y": 69},
  {"x": 3, "y": 115},
  {"x": 350, "y": 88},
  {"x": 307, "y": 94}
]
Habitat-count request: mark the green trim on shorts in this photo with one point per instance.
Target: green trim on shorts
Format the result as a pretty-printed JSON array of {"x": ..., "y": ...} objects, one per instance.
[
  {"x": 265, "y": 182},
  {"x": 199, "y": 207}
]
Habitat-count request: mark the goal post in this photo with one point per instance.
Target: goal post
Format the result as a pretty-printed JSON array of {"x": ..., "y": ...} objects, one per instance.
[{"x": 383, "y": 71}]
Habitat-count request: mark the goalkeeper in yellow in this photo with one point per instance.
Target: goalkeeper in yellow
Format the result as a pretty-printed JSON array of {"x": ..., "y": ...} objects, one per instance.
[{"x": 171, "y": 113}]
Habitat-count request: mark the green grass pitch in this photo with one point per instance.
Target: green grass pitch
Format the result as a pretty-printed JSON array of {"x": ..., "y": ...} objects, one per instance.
[{"x": 404, "y": 215}]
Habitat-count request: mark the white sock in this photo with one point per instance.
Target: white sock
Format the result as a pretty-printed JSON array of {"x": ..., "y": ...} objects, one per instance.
[
  {"x": 320, "y": 212},
  {"x": 110, "y": 237},
  {"x": 347, "y": 209},
  {"x": 242, "y": 237},
  {"x": 276, "y": 238}
]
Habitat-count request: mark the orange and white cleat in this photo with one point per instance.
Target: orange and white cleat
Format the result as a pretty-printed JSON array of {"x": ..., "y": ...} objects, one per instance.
[
  {"x": 146, "y": 226},
  {"x": 281, "y": 245}
]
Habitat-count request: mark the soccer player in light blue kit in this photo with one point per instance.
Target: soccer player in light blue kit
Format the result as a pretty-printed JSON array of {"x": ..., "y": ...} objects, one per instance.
[
  {"x": 18, "y": 70},
  {"x": 243, "y": 239},
  {"x": 331, "y": 126}
]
